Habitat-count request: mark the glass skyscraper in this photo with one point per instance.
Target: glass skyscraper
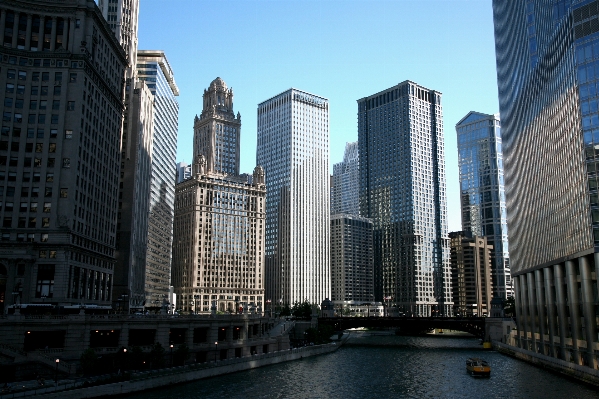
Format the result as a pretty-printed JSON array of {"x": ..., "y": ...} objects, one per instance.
[
  {"x": 345, "y": 183},
  {"x": 293, "y": 148},
  {"x": 482, "y": 191},
  {"x": 154, "y": 69},
  {"x": 547, "y": 72},
  {"x": 403, "y": 191}
]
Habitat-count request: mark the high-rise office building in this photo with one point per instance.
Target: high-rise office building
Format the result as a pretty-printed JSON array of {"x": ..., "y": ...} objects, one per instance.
[
  {"x": 471, "y": 274},
  {"x": 183, "y": 171},
  {"x": 218, "y": 241},
  {"x": 153, "y": 68},
  {"x": 482, "y": 190},
  {"x": 546, "y": 57},
  {"x": 402, "y": 189},
  {"x": 59, "y": 152},
  {"x": 293, "y": 148},
  {"x": 216, "y": 132},
  {"x": 352, "y": 274},
  {"x": 345, "y": 182}
]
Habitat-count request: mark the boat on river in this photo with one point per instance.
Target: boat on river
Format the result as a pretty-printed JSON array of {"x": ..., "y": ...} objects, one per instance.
[{"x": 477, "y": 367}]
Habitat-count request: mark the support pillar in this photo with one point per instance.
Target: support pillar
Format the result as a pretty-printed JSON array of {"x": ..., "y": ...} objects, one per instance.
[
  {"x": 541, "y": 321},
  {"x": 2, "y": 26},
  {"x": 551, "y": 314},
  {"x": 41, "y": 36},
  {"x": 15, "y": 30},
  {"x": 518, "y": 306},
  {"x": 532, "y": 310},
  {"x": 588, "y": 303},
  {"x": 525, "y": 306},
  {"x": 28, "y": 32},
  {"x": 53, "y": 34},
  {"x": 573, "y": 306},
  {"x": 561, "y": 308}
]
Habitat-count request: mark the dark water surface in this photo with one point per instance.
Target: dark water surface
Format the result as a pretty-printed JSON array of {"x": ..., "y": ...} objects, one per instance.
[{"x": 386, "y": 367}]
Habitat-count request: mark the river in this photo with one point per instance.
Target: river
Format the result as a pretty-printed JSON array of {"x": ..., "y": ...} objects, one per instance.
[{"x": 386, "y": 367}]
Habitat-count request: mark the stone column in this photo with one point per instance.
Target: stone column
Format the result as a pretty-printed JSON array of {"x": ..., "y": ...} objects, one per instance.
[
  {"x": 15, "y": 30},
  {"x": 2, "y": 26},
  {"x": 550, "y": 301},
  {"x": 532, "y": 309},
  {"x": 40, "y": 39},
  {"x": 561, "y": 308},
  {"x": 588, "y": 303},
  {"x": 525, "y": 314},
  {"x": 28, "y": 32},
  {"x": 53, "y": 34},
  {"x": 519, "y": 306},
  {"x": 540, "y": 310},
  {"x": 573, "y": 304},
  {"x": 66, "y": 28}
]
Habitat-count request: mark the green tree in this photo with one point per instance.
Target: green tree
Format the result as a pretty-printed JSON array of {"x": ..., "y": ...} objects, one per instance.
[
  {"x": 88, "y": 361},
  {"x": 157, "y": 356},
  {"x": 302, "y": 310},
  {"x": 286, "y": 311}
]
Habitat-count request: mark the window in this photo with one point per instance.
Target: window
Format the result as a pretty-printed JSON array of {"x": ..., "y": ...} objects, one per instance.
[
  {"x": 24, "y": 192},
  {"x": 16, "y": 131},
  {"x": 31, "y": 119},
  {"x": 68, "y": 134},
  {"x": 14, "y": 161},
  {"x": 27, "y": 175},
  {"x": 19, "y": 103},
  {"x": 11, "y": 74},
  {"x": 33, "y": 220},
  {"x": 55, "y": 104},
  {"x": 30, "y": 238},
  {"x": 7, "y": 116},
  {"x": 10, "y": 88},
  {"x": 45, "y": 76},
  {"x": 45, "y": 280},
  {"x": 33, "y": 104},
  {"x": 73, "y": 77},
  {"x": 71, "y": 106},
  {"x": 47, "y": 207},
  {"x": 48, "y": 192},
  {"x": 49, "y": 177},
  {"x": 57, "y": 90},
  {"x": 5, "y": 236},
  {"x": 9, "y": 206},
  {"x": 44, "y": 238},
  {"x": 66, "y": 162},
  {"x": 35, "y": 76},
  {"x": 20, "y": 89},
  {"x": 54, "y": 119},
  {"x": 22, "y": 75},
  {"x": 33, "y": 206},
  {"x": 40, "y": 133},
  {"x": 41, "y": 118},
  {"x": 51, "y": 162},
  {"x": 14, "y": 146},
  {"x": 36, "y": 176},
  {"x": 21, "y": 237},
  {"x": 44, "y": 91},
  {"x": 10, "y": 191},
  {"x": 53, "y": 133},
  {"x": 64, "y": 193},
  {"x": 52, "y": 254},
  {"x": 58, "y": 76},
  {"x": 27, "y": 162},
  {"x": 43, "y": 104},
  {"x": 39, "y": 147},
  {"x": 45, "y": 222},
  {"x": 7, "y": 222},
  {"x": 37, "y": 162},
  {"x": 24, "y": 207},
  {"x": 21, "y": 223},
  {"x": 30, "y": 132},
  {"x": 35, "y": 90},
  {"x": 19, "y": 118},
  {"x": 8, "y": 102}
]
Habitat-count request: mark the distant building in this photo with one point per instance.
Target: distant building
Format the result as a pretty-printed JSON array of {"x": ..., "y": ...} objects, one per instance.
[
  {"x": 183, "y": 171},
  {"x": 403, "y": 192},
  {"x": 345, "y": 183},
  {"x": 471, "y": 274},
  {"x": 482, "y": 191},
  {"x": 153, "y": 68},
  {"x": 59, "y": 160},
  {"x": 352, "y": 276},
  {"x": 293, "y": 148}
]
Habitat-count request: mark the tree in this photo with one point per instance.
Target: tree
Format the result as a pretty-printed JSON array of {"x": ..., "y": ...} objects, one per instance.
[
  {"x": 88, "y": 361},
  {"x": 509, "y": 306},
  {"x": 302, "y": 310},
  {"x": 157, "y": 356},
  {"x": 138, "y": 358},
  {"x": 286, "y": 311}
]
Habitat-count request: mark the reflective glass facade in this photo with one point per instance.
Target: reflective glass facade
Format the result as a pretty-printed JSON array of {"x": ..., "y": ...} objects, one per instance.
[
  {"x": 547, "y": 80},
  {"x": 154, "y": 69},
  {"x": 293, "y": 148},
  {"x": 345, "y": 183},
  {"x": 403, "y": 191},
  {"x": 482, "y": 191}
]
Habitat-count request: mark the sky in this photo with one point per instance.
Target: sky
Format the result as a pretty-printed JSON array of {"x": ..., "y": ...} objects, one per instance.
[{"x": 340, "y": 50}]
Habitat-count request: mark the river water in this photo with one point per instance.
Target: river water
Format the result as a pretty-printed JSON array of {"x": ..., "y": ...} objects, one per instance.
[{"x": 386, "y": 367}]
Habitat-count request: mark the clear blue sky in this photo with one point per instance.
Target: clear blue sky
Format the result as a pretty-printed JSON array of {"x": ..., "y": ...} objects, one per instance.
[{"x": 341, "y": 50}]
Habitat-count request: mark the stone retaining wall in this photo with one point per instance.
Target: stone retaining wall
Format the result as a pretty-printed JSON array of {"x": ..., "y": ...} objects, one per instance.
[
  {"x": 160, "y": 378},
  {"x": 582, "y": 373}
]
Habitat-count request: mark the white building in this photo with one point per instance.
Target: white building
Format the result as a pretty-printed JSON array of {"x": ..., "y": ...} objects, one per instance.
[
  {"x": 345, "y": 182},
  {"x": 293, "y": 148}
]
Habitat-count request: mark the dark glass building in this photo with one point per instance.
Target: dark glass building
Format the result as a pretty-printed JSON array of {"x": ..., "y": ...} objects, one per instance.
[
  {"x": 403, "y": 191},
  {"x": 547, "y": 70},
  {"x": 482, "y": 191}
]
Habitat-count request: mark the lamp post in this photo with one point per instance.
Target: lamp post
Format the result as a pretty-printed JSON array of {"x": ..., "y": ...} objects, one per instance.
[
  {"x": 216, "y": 350},
  {"x": 56, "y": 372},
  {"x": 171, "y": 355}
]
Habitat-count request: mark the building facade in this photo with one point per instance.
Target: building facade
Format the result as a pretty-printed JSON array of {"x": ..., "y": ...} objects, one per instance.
[
  {"x": 403, "y": 191},
  {"x": 183, "y": 171},
  {"x": 293, "y": 148},
  {"x": 482, "y": 191},
  {"x": 218, "y": 241},
  {"x": 153, "y": 69},
  {"x": 471, "y": 271},
  {"x": 547, "y": 85},
  {"x": 345, "y": 182},
  {"x": 217, "y": 131},
  {"x": 352, "y": 262},
  {"x": 61, "y": 78}
]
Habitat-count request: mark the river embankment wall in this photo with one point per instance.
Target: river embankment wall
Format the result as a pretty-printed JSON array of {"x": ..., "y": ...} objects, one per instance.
[
  {"x": 142, "y": 381},
  {"x": 581, "y": 373}
]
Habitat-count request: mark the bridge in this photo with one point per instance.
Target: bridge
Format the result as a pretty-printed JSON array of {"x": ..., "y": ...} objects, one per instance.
[{"x": 476, "y": 326}]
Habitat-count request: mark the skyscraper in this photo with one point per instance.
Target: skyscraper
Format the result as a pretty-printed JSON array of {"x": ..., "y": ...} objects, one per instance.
[
  {"x": 402, "y": 189},
  {"x": 216, "y": 132},
  {"x": 153, "y": 68},
  {"x": 183, "y": 171},
  {"x": 293, "y": 148},
  {"x": 546, "y": 58},
  {"x": 482, "y": 190},
  {"x": 345, "y": 182},
  {"x": 59, "y": 152}
]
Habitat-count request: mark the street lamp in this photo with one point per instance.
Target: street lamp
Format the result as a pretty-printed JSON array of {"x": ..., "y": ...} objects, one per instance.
[
  {"x": 171, "y": 355},
  {"x": 216, "y": 350},
  {"x": 56, "y": 372}
]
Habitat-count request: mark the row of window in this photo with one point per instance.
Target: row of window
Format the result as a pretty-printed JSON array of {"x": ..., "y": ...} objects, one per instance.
[
  {"x": 30, "y": 237},
  {"x": 35, "y": 191},
  {"x": 35, "y": 76},
  {"x": 37, "y": 162},
  {"x": 24, "y": 222}
]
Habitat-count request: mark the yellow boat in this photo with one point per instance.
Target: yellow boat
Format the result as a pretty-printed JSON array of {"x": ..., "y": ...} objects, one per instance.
[{"x": 477, "y": 367}]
